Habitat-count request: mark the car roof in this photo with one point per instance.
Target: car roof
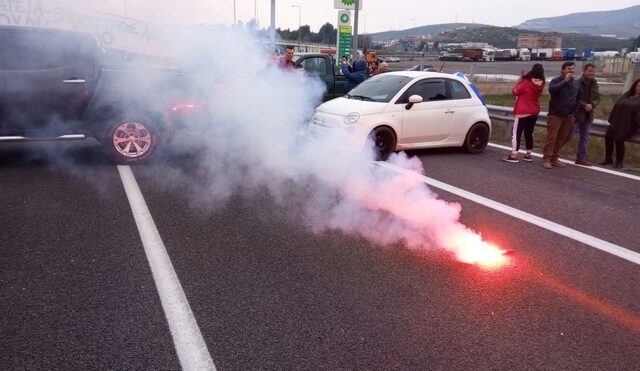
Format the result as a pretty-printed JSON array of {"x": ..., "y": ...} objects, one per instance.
[{"x": 414, "y": 74}]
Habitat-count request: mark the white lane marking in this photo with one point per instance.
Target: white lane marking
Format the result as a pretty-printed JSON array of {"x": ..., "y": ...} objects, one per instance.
[
  {"x": 597, "y": 243},
  {"x": 190, "y": 346},
  {"x": 594, "y": 168}
]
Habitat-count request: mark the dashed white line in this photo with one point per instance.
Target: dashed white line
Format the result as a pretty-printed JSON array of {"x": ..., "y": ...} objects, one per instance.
[
  {"x": 594, "y": 168},
  {"x": 597, "y": 243},
  {"x": 190, "y": 346}
]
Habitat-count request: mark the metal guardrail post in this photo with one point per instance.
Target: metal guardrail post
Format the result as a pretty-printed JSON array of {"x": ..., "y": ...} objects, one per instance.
[{"x": 501, "y": 113}]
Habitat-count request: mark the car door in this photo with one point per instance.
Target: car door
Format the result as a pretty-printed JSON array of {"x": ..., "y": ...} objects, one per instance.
[
  {"x": 48, "y": 79},
  {"x": 465, "y": 109},
  {"x": 428, "y": 123},
  {"x": 317, "y": 66}
]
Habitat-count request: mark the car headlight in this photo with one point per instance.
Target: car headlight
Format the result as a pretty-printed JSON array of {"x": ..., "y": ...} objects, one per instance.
[{"x": 351, "y": 118}]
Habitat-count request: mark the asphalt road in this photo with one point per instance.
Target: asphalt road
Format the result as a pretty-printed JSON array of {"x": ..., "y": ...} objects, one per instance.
[{"x": 269, "y": 294}]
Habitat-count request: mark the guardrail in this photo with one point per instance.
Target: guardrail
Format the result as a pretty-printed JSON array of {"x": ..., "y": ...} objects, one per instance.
[{"x": 502, "y": 113}]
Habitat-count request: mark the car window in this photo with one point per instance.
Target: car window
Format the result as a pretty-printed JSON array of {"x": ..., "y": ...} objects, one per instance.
[
  {"x": 458, "y": 90},
  {"x": 380, "y": 88},
  {"x": 428, "y": 89},
  {"x": 37, "y": 50},
  {"x": 315, "y": 66}
]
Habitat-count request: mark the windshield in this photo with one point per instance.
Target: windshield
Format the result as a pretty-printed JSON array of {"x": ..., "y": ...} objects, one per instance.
[{"x": 380, "y": 88}]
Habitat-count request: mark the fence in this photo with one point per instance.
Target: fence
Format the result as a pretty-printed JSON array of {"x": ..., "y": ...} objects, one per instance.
[{"x": 501, "y": 113}]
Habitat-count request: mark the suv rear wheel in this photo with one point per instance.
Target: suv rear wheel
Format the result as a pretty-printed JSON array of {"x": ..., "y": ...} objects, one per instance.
[{"x": 131, "y": 141}]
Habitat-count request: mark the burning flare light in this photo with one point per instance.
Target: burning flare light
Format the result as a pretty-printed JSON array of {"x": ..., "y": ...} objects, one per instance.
[{"x": 472, "y": 249}]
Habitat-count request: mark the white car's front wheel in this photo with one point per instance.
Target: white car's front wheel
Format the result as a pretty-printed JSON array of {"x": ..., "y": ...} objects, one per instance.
[{"x": 384, "y": 142}]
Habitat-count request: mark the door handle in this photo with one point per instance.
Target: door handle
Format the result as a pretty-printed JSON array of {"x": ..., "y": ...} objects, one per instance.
[
  {"x": 450, "y": 111},
  {"x": 74, "y": 81}
]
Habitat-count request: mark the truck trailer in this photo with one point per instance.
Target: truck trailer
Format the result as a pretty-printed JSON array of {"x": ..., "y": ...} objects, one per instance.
[{"x": 476, "y": 54}]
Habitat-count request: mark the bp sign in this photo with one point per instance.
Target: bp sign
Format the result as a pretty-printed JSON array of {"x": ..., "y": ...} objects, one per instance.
[
  {"x": 345, "y": 35},
  {"x": 346, "y": 4}
]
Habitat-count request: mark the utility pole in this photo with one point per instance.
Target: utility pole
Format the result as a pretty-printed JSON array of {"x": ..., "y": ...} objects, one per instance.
[
  {"x": 299, "y": 22},
  {"x": 272, "y": 31},
  {"x": 364, "y": 47},
  {"x": 354, "y": 52}
]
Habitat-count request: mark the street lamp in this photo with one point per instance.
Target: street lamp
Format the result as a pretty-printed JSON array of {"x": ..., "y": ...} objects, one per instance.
[
  {"x": 234, "y": 13},
  {"x": 364, "y": 47},
  {"x": 299, "y": 22},
  {"x": 255, "y": 17}
]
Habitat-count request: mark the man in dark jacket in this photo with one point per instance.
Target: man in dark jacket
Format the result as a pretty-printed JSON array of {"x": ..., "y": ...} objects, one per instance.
[
  {"x": 358, "y": 75},
  {"x": 562, "y": 111},
  {"x": 588, "y": 99}
]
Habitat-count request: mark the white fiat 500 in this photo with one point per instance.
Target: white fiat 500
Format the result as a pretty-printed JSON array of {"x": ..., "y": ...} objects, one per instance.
[{"x": 405, "y": 110}]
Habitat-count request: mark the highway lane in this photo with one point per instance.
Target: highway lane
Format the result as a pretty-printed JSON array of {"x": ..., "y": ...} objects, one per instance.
[
  {"x": 75, "y": 285},
  {"x": 269, "y": 294}
]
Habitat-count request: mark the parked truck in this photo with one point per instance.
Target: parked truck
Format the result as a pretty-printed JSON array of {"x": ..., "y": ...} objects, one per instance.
[
  {"x": 569, "y": 54},
  {"x": 54, "y": 85},
  {"x": 476, "y": 54},
  {"x": 556, "y": 55},
  {"x": 524, "y": 54},
  {"x": 506, "y": 54},
  {"x": 540, "y": 54}
]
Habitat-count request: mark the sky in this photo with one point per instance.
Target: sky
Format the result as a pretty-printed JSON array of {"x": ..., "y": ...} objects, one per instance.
[{"x": 376, "y": 15}]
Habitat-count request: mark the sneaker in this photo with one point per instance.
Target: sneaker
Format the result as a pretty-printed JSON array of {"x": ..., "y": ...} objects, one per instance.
[
  {"x": 511, "y": 158},
  {"x": 583, "y": 162},
  {"x": 527, "y": 158},
  {"x": 547, "y": 165},
  {"x": 558, "y": 163}
]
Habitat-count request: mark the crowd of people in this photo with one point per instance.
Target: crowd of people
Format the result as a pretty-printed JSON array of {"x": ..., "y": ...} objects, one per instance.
[
  {"x": 571, "y": 109},
  {"x": 571, "y": 106},
  {"x": 355, "y": 72}
]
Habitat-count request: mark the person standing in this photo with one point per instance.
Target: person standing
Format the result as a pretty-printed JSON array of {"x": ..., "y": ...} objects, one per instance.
[
  {"x": 562, "y": 110},
  {"x": 588, "y": 99},
  {"x": 358, "y": 75},
  {"x": 624, "y": 122},
  {"x": 286, "y": 61},
  {"x": 527, "y": 92}
]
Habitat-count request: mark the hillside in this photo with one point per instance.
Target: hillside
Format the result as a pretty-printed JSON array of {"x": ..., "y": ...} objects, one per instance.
[
  {"x": 622, "y": 23},
  {"x": 432, "y": 30},
  {"x": 507, "y": 37}
]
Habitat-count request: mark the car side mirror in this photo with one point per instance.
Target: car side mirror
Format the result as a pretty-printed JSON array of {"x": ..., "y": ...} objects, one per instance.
[{"x": 413, "y": 100}]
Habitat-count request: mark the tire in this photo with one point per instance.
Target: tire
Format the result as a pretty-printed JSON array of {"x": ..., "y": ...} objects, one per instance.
[
  {"x": 384, "y": 143},
  {"x": 131, "y": 141},
  {"x": 477, "y": 138}
]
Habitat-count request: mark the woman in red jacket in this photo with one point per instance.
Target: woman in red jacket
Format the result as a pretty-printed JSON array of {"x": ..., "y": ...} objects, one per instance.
[{"x": 527, "y": 92}]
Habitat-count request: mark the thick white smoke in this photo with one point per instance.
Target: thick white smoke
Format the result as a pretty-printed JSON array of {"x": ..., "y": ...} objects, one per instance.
[
  {"x": 251, "y": 138},
  {"x": 252, "y": 142}
]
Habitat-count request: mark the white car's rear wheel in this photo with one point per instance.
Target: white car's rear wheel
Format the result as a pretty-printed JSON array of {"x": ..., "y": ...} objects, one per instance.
[{"x": 477, "y": 138}]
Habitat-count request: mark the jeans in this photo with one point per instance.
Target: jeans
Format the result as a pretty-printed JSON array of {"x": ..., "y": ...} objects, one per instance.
[{"x": 583, "y": 143}]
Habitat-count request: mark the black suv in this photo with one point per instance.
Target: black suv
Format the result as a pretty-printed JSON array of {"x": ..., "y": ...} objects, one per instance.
[{"x": 53, "y": 85}]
